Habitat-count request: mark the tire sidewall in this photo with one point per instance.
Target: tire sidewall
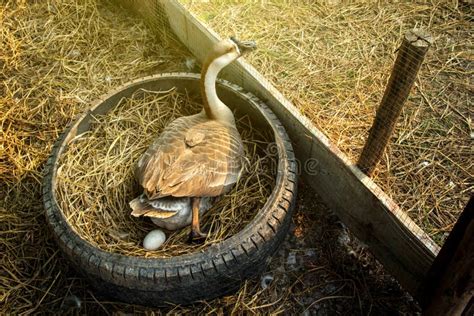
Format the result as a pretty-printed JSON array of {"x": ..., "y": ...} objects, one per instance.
[{"x": 212, "y": 272}]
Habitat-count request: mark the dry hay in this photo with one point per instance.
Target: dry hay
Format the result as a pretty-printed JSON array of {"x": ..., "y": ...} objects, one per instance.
[
  {"x": 58, "y": 56},
  {"x": 333, "y": 59},
  {"x": 96, "y": 178},
  {"x": 55, "y": 58}
]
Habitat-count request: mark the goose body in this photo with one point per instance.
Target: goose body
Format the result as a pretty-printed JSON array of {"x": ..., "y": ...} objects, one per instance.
[{"x": 196, "y": 158}]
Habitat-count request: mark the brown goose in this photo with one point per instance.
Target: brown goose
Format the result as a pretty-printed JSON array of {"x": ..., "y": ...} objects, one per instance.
[{"x": 196, "y": 157}]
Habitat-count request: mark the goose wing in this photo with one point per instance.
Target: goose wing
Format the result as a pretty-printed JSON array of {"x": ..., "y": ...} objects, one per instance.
[{"x": 193, "y": 157}]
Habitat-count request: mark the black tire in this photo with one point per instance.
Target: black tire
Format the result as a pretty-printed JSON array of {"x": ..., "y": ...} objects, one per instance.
[{"x": 213, "y": 272}]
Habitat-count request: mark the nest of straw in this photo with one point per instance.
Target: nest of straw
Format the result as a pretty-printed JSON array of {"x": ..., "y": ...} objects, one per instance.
[{"x": 96, "y": 181}]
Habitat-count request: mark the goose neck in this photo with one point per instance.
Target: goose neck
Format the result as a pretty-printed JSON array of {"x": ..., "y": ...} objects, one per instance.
[{"x": 213, "y": 106}]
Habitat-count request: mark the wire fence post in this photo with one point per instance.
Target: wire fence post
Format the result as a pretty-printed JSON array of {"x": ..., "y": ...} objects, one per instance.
[{"x": 410, "y": 57}]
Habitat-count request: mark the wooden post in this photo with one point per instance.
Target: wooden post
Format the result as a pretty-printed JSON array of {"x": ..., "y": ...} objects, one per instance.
[
  {"x": 448, "y": 288},
  {"x": 410, "y": 56}
]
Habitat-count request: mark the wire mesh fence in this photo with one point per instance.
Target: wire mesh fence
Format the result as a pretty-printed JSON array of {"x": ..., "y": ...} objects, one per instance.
[
  {"x": 333, "y": 63},
  {"x": 159, "y": 16}
]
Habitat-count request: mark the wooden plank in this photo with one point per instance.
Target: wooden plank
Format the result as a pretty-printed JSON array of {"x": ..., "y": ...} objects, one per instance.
[
  {"x": 404, "y": 249},
  {"x": 449, "y": 285}
]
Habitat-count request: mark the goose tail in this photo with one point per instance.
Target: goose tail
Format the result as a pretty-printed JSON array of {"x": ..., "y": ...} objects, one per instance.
[
  {"x": 158, "y": 208},
  {"x": 139, "y": 206}
]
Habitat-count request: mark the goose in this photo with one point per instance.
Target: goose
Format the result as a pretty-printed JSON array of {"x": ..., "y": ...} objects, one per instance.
[{"x": 196, "y": 158}]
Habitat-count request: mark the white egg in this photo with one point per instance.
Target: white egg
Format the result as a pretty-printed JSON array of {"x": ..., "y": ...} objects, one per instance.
[{"x": 154, "y": 239}]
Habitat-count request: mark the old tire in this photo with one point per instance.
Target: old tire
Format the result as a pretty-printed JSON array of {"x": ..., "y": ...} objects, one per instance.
[{"x": 215, "y": 271}]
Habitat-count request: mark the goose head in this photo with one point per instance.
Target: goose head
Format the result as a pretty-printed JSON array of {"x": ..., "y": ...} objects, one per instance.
[
  {"x": 244, "y": 46},
  {"x": 221, "y": 55},
  {"x": 226, "y": 51}
]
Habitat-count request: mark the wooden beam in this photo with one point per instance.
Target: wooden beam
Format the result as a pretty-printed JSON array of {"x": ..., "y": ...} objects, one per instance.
[
  {"x": 405, "y": 250},
  {"x": 410, "y": 57},
  {"x": 449, "y": 285}
]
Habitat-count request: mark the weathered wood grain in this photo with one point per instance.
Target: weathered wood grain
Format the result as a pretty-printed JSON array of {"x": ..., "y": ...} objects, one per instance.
[
  {"x": 448, "y": 288},
  {"x": 409, "y": 59}
]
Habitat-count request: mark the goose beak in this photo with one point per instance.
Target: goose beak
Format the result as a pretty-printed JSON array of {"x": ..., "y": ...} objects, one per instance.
[{"x": 244, "y": 46}]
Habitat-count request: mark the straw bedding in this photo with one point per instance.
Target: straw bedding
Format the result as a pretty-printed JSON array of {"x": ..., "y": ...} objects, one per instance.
[
  {"x": 58, "y": 56},
  {"x": 96, "y": 177}
]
